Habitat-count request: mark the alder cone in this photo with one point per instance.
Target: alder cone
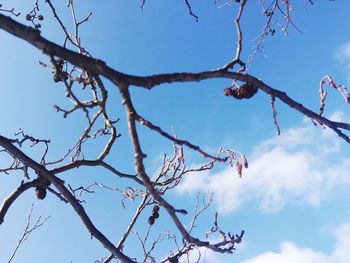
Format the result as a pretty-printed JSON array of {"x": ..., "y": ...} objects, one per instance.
[
  {"x": 151, "y": 220},
  {"x": 40, "y": 192},
  {"x": 156, "y": 208},
  {"x": 155, "y": 214}
]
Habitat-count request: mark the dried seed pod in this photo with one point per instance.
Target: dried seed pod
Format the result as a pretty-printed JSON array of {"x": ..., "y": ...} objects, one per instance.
[
  {"x": 245, "y": 162},
  {"x": 239, "y": 168},
  {"x": 228, "y": 92},
  {"x": 151, "y": 220},
  {"x": 57, "y": 77},
  {"x": 40, "y": 192},
  {"x": 155, "y": 214},
  {"x": 155, "y": 208},
  {"x": 245, "y": 91},
  {"x": 173, "y": 260}
]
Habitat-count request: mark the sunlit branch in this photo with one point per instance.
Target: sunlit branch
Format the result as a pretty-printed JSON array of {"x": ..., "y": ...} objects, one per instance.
[{"x": 237, "y": 59}]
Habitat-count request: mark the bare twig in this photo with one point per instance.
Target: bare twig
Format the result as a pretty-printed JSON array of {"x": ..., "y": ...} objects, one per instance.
[
  {"x": 199, "y": 210},
  {"x": 268, "y": 12},
  {"x": 59, "y": 184},
  {"x": 323, "y": 94},
  {"x": 274, "y": 114},
  {"x": 28, "y": 231},
  {"x": 118, "y": 78},
  {"x": 189, "y": 7},
  {"x": 153, "y": 127},
  {"x": 143, "y": 2},
  {"x": 140, "y": 170},
  {"x": 11, "y": 11},
  {"x": 237, "y": 59}
]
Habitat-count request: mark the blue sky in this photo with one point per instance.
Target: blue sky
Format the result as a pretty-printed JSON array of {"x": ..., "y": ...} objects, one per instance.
[{"x": 292, "y": 201}]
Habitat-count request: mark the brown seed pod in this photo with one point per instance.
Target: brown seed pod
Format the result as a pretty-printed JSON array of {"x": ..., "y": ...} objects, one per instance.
[
  {"x": 245, "y": 91},
  {"x": 173, "y": 260},
  {"x": 151, "y": 220},
  {"x": 228, "y": 92},
  {"x": 156, "y": 208},
  {"x": 155, "y": 214},
  {"x": 40, "y": 192}
]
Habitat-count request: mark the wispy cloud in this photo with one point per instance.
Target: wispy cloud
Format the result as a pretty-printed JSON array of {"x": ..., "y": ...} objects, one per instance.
[
  {"x": 343, "y": 52},
  {"x": 201, "y": 255},
  {"x": 297, "y": 167},
  {"x": 343, "y": 55},
  {"x": 290, "y": 253}
]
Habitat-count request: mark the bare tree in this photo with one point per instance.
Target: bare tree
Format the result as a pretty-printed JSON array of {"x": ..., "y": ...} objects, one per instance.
[{"x": 72, "y": 65}]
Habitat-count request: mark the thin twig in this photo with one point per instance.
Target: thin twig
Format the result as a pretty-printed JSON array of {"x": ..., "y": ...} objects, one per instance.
[
  {"x": 237, "y": 59},
  {"x": 274, "y": 114},
  {"x": 28, "y": 230},
  {"x": 190, "y": 10}
]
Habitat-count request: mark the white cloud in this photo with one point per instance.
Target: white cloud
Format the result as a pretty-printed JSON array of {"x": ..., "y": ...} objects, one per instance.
[
  {"x": 203, "y": 255},
  {"x": 343, "y": 55},
  {"x": 297, "y": 167},
  {"x": 290, "y": 253},
  {"x": 343, "y": 52}
]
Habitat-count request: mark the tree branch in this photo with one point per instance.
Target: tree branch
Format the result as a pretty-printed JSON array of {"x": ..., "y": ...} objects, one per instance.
[
  {"x": 141, "y": 172},
  {"x": 14, "y": 195},
  {"x": 59, "y": 184}
]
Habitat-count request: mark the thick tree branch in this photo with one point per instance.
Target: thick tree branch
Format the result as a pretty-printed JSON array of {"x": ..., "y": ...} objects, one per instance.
[
  {"x": 59, "y": 184},
  {"x": 141, "y": 172},
  {"x": 99, "y": 67},
  {"x": 80, "y": 69},
  {"x": 14, "y": 195}
]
